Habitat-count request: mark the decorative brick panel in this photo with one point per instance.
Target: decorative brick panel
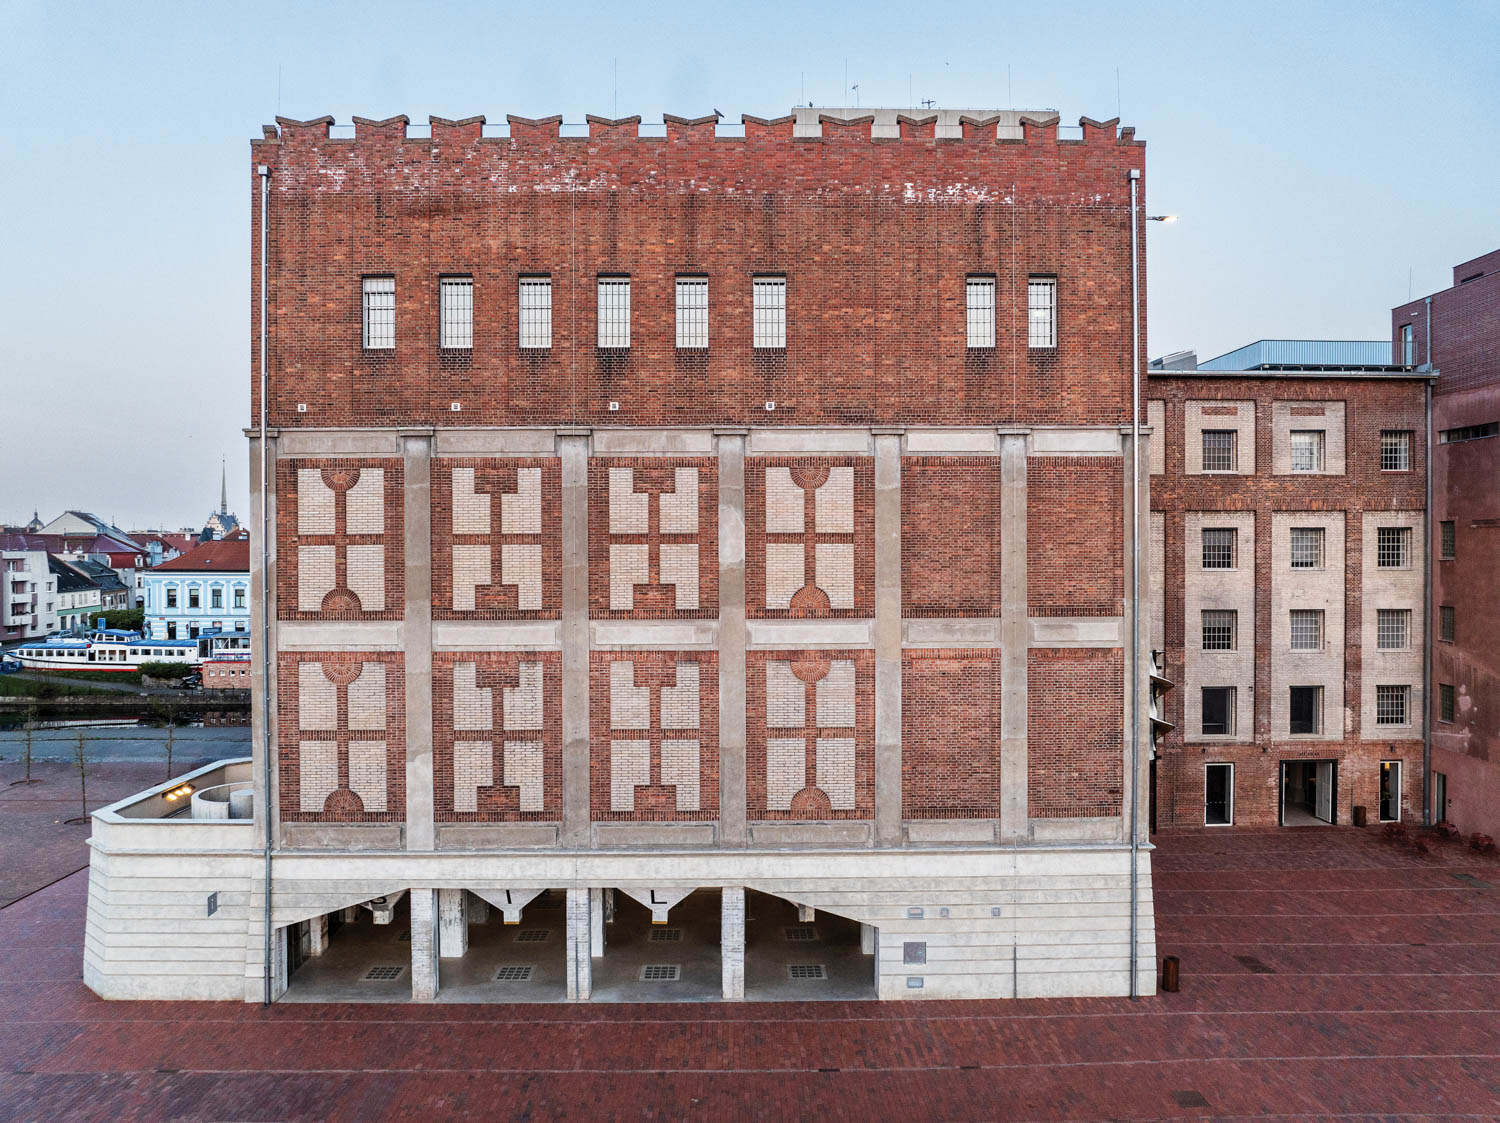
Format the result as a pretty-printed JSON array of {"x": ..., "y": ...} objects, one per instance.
[
  {"x": 497, "y": 736},
  {"x": 950, "y": 734},
  {"x": 342, "y": 736},
  {"x": 809, "y": 537},
  {"x": 810, "y": 721},
  {"x": 655, "y": 731},
  {"x": 340, "y": 546},
  {"x": 653, "y": 538},
  {"x": 1075, "y": 730},
  {"x": 496, "y": 538},
  {"x": 1075, "y": 536},
  {"x": 950, "y": 536}
]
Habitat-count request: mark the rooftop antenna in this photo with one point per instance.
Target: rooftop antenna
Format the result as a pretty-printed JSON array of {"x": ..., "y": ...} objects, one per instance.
[
  {"x": 1009, "y": 97},
  {"x": 928, "y": 103},
  {"x": 1118, "y": 113},
  {"x": 616, "y": 112},
  {"x": 855, "y": 87}
]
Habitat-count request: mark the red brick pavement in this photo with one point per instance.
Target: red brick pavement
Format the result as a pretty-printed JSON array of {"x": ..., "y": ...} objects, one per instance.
[{"x": 1382, "y": 1001}]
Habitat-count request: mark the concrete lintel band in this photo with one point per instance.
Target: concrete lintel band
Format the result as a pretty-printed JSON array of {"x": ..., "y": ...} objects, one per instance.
[
  {"x": 888, "y": 639},
  {"x": 416, "y": 452},
  {"x": 732, "y": 637},
  {"x": 1013, "y": 634},
  {"x": 573, "y": 450}
]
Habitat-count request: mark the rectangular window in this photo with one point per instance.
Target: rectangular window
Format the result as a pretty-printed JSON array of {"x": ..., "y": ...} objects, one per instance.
[
  {"x": 1448, "y": 540},
  {"x": 692, "y": 313},
  {"x": 456, "y": 313},
  {"x": 1218, "y": 547},
  {"x": 1041, "y": 312},
  {"x": 1447, "y": 702},
  {"x": 1390, "y": 705},
  {"x": 1218, "y": 630},
  {"x": 614, "y": 312},
  {"x": 535, "y": 312},
  {"x": 171, "y": 598},
  {"x": 1392, "y": 628},
  {"x": 216, "y": 598},
  {"x": 1307, "y": 629},
  {"x": 1307, "y": 547},
  {"x": 1218, "y": 795},
  {"x": 1469, "y": 433},
  {"x": 1305, "y": 710},
  {"x": 380, "y": 313},
  {"x": 1447, "y": 623},
  {"x": 979, "y": 301},
  {"x": 1307, "y": 450},
  {"x": 1395, "y": 450},
  {"x": 1408, "y": 346},
  {"x": 1219, "y": 450},
  {"x": 768, "y": 298},
  {"x": 1392, "y": 547},
  {"x": 193, "y": 598},
  {"x": 1218, "y": 711}
]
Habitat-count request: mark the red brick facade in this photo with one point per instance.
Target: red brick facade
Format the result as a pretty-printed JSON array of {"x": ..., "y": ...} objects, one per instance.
[
  {"x": 1074, "y": 701},
  {"x": 1075, "y": 536},
  {"x": 950, "y": 536},
  {"x": 950, "y": 734}
]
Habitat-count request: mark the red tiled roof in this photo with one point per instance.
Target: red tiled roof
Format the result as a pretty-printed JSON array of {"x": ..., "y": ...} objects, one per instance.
[{"x": 227, "y": 556}]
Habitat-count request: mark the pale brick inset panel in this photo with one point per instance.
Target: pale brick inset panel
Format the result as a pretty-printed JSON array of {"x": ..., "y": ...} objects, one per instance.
[
  {"x": 785, "y": 575},
  {"x": 835, "y": 694},
  {"x": 629, "y": 766},
  {"x": 521, "y": 566},
  {"x": 835, "y": 572},
  {"x": 473, "y": 705},
  {"x": 1319, "y": 589},
  {"x": 1157, "y": 571},
  {"x": 834, "y": 503},
  {"x": 1391, "y": 589},
  {"x": 497, "y": 538},
  {"x": 366, "y": 503},
  {"x": 1238, "y": 416},
  {"x": 679, "y": 568},
  {"x": 786, "y": 697},
  {"x": 473, "y": 768},
  {"x": 367, "y": 576},
  {"x": 1219, "y": 589},
  {"x": 367, "y": 698},
  {"x": 471, "y": 569},
  {"x": 525, "y": 771},
  {"x": 786, "y": 771},
  {"x": 681, "y": 768},
  {"x": 679, "y": 507},
  {"x": 314, "y": 503},
  {"x": 629, "y": 566},
  {"x": 629, "y": 705},
  {"x": 521, "y": 510},
  {"x": 523, "y": 705},
  {"x": 679, "y": 703},
  {"x": 1325, "y": 417},
  {"x": 471, "y": 509},
  {"x": 317, "y": 698},
  {"x": 316, "y": 570},
  {"x": 835, "y": 757},
  {"x": 318, "y": 768},
  {"x": 1156, "y": 417},
  {"x": 629, "y": 510},
  {"x": 784, "y": 503},
  {"x": 367, "y": 773}
]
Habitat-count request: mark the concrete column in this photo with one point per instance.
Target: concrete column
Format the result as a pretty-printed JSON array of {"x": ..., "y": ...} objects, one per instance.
[
  {"x": 1013, "y": 638},
  {"x": 266, "y": 800},
  {"x": 479, "y": 909},
  {"x": 732, "y": 940},
  {"x": 279, "y": 950},
  {"x": 351, "y": 914},
  {"x": 596, "y": 922},
  {"x": 573, "y": 450},
  {"x": 731, "y": 448},
  {"x": 867, "y": 936},
  {"x": 416, "y": 457},
  {"x": 580, "y": 963},
  {"x": 453, "y": 924},
  {"x": 424, "y": 945},
  {"x": 317, "y": 941},
  {"x": 887, "y": 638},
  {"x": 1138, "y": 530}
]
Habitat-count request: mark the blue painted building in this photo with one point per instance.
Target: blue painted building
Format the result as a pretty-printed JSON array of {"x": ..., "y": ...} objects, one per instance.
[{"x": 206, "y": 589}]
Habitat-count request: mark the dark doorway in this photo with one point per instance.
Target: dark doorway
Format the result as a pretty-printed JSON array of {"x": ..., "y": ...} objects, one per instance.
[
  {"x": 1309, "y": 792},
  {"x": 1218, "y": 795}
]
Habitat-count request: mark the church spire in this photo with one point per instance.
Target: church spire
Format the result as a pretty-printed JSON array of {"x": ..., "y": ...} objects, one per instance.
[{"x": 223, "y": 487}]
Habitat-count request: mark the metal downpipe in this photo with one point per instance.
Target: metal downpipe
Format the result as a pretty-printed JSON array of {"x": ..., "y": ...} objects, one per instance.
[
  {"x": 1135, "y": 579},
  {"x": 264, "y": 172}
]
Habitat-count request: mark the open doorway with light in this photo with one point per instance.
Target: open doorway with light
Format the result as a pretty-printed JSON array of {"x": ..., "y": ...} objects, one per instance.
[
  {"x": 1309, "y": 793},
  {"x": 1390, "y": 791}
]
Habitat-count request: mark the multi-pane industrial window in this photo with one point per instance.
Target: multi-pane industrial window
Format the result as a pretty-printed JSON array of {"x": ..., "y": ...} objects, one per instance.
[
  {"x": 1469, "y": 433},
  {"x": 535, "y": 307},
  {"x": 1447, "y": 701},
  {"x": 1307, "y": 547},
  {"x": 1305, "y": 709},
  {"x": 614, "y": 312},
  {"x": 1392, "y": 628},
  {"x": 1041, "y": 312},
  {"x": 1218, "y": 547},
  {"x": 1390, "y": 705},
  {"x": 1307, "y": 629},
  {"x": 768, "y": 299},
  {"x": 1448, "y": 540},
  {"x": 379, "y": 313},
  {"x": 1219, "y": 450},
  {"x": 979, "y": 302},
  {"x": 1218, "y": 711},
  {"x": 456, "y": 312},
  {"x": 1218, "y": 629},
  {"x": 692, "y": 313},
  {"x": 1395, "y": 450},
  {"x": 1447, "y": 623},
  {"x": 1307, "y": 450},
  {"x": 1392, "y": 546}
]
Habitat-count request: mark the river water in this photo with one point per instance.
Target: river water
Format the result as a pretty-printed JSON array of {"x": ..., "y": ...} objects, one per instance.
[{"x": 116, "y": 737}]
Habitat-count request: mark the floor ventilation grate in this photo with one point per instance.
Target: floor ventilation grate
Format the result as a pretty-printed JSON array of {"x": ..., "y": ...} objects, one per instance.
[
  {"x": 801, "y": 934},
  {"x": 661, "y": 973},
  {"x": 533, "y": 935},
  {"x": 513, "y": 975},
  {"x": 383, "y": 974},
  {"x": 666, "y": 935},
  {"x": 806, "y": 971}
]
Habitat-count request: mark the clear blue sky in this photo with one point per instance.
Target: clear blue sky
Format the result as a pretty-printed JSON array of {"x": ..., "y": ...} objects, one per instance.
[{"x": 1318, "y": 153}]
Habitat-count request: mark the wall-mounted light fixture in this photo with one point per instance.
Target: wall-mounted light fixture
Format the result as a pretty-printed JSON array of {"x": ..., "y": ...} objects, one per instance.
[{"x": 181, "y": 791}]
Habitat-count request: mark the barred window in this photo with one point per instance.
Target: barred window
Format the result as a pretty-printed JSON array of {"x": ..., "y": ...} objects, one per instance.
[
  {"x": 1218, "y": 629},
  {"x": 1392, "y": 546},
  {"x": 456, "y": 312},
  {"x": 379, "y": 313},
  {"x": 979, "y": 301},
  {"x": 1392, "y": 628},
  {"x": 1447, "y": 623},
  {"x": 1307, "y": 547},
  {"x": 1041, "y": 312},
  {"x": 1217, "y": 716},
  {"x": 692, "y": 313},
  {"x": 1218, "y": 547},
  {"x": 1390, "y": 705},
  {"x": 1307, "y": 629},
  {"x": 1219, "y": 450},
  {"x": 1448, "y": 538},
  {"x": 1307, "y": 450},
  {"x": 769, "y": 310},
  {"x": 1447, "y": 702},
  {"x": 1395, "y": 450},
  {"x": 614, "y": 312},
  {"x": 535, "y": 306},
  {"x": 1305, "y": 709}
]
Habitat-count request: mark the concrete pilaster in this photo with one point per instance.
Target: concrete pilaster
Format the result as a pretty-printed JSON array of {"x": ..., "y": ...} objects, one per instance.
[
  {"x": 262, "y": 645},
  {"x": 580, "y": 963},
  {"x": 424, "y": 945},
  {"x": 416, "y": 453},
  {"x": 732, "y": 940},
  {"x": 573, "y": 451},
  {"x": 453, "y": 924},
  {"x": 317, "y": 935},
  {"x": 1013, "y": 639},
  {"x": 731, "y": 449},
  {"x": 867, "y": 937},
  {"x": 887, "y": 639},
  {"x": 1137, "y": 530},
  {"x": 596, "y": 922}
]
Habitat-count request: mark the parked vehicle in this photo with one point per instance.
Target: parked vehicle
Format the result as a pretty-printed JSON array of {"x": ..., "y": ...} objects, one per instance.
[{"x": 9, "y": 666}]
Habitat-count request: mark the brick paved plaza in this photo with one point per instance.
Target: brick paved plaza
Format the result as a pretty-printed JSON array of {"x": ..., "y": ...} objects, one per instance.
[{"x": 1327, "y": 973}]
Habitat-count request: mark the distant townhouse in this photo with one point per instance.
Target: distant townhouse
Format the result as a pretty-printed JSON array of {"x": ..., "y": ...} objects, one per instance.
[
  {"x": 79, "y": 598},
  {"x": 113, "y": 591},
  {"x": 205, "y": 589},
  {"x": 28, "y": 599}
]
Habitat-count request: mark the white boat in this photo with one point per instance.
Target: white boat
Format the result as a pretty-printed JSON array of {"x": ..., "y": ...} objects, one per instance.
[{"x": 107, "y": 651}]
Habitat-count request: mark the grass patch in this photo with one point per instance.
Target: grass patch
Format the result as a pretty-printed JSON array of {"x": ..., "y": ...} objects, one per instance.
[
  {"x": 99, "y": 676},
  {"x": 13, "y": 687}
]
